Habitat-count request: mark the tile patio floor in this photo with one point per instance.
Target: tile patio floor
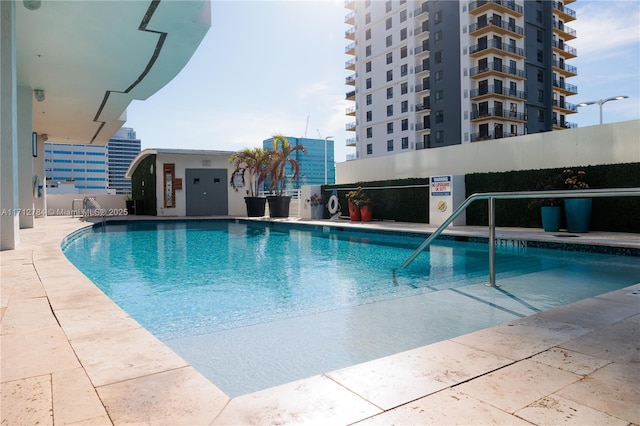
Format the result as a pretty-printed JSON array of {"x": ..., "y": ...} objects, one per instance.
[{"x": 71, "y": 356}]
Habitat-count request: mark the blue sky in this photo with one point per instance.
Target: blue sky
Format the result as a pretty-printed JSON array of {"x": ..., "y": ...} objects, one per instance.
[{"x": 270, "y": 67}]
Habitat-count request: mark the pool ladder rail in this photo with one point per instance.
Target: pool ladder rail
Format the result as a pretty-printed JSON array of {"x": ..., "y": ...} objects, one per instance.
[
  {"x": 87, "y": 208},
  {"x": 493, "y": 196}
]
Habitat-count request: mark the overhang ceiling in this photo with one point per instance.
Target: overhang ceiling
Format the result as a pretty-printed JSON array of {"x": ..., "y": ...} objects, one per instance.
[{"x": 92, "y": 58}]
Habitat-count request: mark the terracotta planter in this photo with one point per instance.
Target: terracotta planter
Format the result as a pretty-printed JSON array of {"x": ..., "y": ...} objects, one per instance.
[
  {"x": 354, "y": 213},
  {"x": 366, "y": 213}
]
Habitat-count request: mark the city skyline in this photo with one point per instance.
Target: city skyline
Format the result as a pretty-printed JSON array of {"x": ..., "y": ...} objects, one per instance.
[{"x": 282, "y": 71}]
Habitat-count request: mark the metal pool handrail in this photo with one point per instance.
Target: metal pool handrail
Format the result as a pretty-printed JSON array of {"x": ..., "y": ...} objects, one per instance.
[{"x": 492, "y": 196}]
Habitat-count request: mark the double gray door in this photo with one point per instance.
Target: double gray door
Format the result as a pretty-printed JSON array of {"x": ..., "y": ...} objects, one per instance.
[{"x": 206, "y": 192}]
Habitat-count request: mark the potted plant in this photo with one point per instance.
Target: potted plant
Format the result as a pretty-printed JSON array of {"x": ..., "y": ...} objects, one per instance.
[
  {"x": 577, "y": 210},
  {"x": 550, "y": 208},
  {"x": 279, "y": 158},
  {"x": 250, "y": 171},
  {"x": 317, "y": 206},
  {"x": 360, "y": 205}
]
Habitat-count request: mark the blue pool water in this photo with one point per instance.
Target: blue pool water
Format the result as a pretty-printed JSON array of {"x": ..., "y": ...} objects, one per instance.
[{"x": 252, "y": 306}]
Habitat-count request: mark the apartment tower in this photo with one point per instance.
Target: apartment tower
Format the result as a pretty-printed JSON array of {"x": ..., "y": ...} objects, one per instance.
[{"x": 433, "y": 73}]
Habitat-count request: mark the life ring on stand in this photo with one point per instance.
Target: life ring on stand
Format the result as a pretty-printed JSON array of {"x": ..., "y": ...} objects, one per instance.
[{"x": 333, "y": 204}]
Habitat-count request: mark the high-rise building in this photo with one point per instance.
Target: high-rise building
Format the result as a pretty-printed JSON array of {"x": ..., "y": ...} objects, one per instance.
[
  {"x": 433, "y": 73},
  {"x": 94, "y": 169},
  {"x": 81, "y": 168},
  {"x": 317, "y": 166},
  {"x": 122, "y": 149}
]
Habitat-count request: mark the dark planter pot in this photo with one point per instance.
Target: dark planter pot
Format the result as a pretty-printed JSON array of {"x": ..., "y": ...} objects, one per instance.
[
  {"x": 366, "y": 213},
  {"x": 551, "y": 216},
  {"x": 131, "y": 206},
  {"x": 354, "y": 212},
  {"x": 255, "y": 206},
  {"x": 577, "y": 211},
  {"x": 279, "y": 205}
]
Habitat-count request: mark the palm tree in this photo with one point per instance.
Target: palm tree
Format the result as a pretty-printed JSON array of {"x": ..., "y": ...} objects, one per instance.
[
  {"x": 279, "y": 161},
  {"x": 252, "y": 160}
]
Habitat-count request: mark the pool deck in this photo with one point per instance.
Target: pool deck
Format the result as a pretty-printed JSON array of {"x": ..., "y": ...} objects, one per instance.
[{"x": 69, "y": 355}]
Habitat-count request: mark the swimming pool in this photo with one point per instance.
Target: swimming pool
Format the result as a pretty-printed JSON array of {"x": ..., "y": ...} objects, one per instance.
[{"x": 252, "y": 305}]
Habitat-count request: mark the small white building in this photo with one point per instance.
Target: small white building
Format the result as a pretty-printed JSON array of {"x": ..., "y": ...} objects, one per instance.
[{"x": 184, "y": 182}]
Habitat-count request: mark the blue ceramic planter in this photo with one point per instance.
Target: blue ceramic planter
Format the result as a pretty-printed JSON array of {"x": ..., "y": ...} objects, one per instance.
[
  {"x": 551, "y": 216},
  {"x": 578, "y": 214}
]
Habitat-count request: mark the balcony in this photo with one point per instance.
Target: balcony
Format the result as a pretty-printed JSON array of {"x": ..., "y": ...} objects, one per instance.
[
  {"x": 506, "y": 6},
  {"x": 423, "y": 107},
  {"x": 350, "y": 4},
  {"x": 498, "y": 67},
  {"x": 495, "y": 44},
  {"x": 421, "y": 68},
  {"x": 351, "y": 96},
  {"x": 350, "y": 142},
  {"x": 350, "y": 49},
  {"x": 477, "y": 137},
  {"x": 422, "y": 87},
  {"x": 419, "y": 11},
  {"x": 350, "y": 34},
  {"x": 564, "y": 12},
  {"x": 350, "y": 18},
  {"x": 565, "y": 32},
  {"x": 568, "y": 89},
  {"x": 498, "y": 112},
  {"x": 564, "y": 125},
  {"x": 569, "y": 108},
  {"x": 569, "y": 70},
  {"x": 480, "y": 28},
  {"x": 421, "y": 50},
  {"x": 566, "y": 50},
  {"x": 422, "y": 29},
  {"x": 351, "y": 80},
  {"x": 351, "y": 127},
  {"x": 421, "y": 127},
  {"x": 350, "y": 64},
  {"x": 351, "y": 111},
  {"x": 498, "y": 90}
]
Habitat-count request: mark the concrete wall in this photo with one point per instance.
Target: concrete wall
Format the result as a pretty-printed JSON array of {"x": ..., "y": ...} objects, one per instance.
[
  {"x": 61, "y": 204},
  {"x": 601, "y": 144}
]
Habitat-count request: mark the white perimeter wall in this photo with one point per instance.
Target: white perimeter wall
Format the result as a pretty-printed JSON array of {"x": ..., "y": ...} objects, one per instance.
[
  {"x": 602, "y": 144},
  {"x": 194, "y": 161}
]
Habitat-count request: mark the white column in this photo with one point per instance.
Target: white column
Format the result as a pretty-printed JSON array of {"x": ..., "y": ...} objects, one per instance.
[
  {"x": 9, "y": 222},
  {"x": 25, "y": 157}
]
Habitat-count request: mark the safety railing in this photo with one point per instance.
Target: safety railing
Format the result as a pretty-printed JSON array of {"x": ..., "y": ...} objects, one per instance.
[
  {"x": 295, "y": 195},
  {"x": 493, "y": 196},
  {"x": 90, "y": 204}
]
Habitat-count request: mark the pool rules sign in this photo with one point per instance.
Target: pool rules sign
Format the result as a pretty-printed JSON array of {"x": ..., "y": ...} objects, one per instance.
[{"x": 446, "y": 193}]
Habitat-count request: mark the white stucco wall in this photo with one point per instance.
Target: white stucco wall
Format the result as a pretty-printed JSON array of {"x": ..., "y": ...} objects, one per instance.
[
  {"x": 194, "y": 161},
  {"x": 602, "y": 144}
]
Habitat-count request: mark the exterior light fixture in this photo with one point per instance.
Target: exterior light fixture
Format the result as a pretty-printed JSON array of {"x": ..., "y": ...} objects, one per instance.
[
  {"x": 602, "y": 102},
  {"x": 39, "y": 94},
  {"x": 32, "y": 4}
]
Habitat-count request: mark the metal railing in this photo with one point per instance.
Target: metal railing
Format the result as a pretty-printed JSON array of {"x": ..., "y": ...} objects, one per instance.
[
  {"x": 295, "y": 195},
  {"x": 493, "y": 196},
  {"x": 87, "y": 202}
]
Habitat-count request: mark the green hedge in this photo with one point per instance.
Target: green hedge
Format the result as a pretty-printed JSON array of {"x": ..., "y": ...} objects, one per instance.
[{"x": 620, "y": 214}]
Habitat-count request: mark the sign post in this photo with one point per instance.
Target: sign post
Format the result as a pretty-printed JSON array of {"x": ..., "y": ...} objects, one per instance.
[{"x": 446, "y": 193}]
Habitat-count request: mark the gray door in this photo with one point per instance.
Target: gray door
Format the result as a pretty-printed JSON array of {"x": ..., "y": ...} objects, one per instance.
[{"x": 206, "y": 192}]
